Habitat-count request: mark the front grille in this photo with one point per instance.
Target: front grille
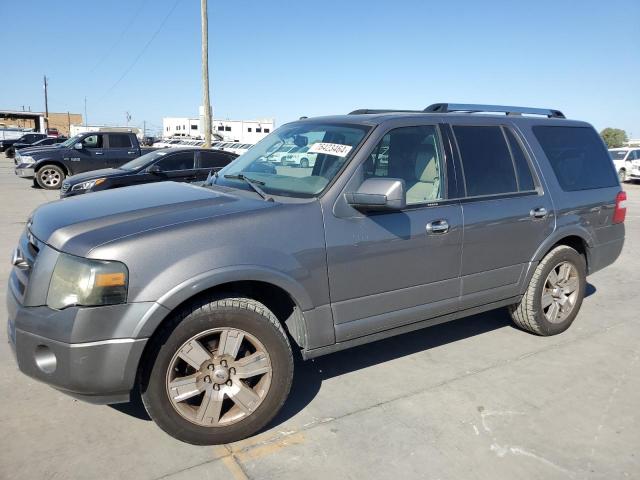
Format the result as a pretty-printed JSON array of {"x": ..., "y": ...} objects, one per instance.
[
  {"x": 28, "y": 249},
  {"x": 65, "y": 187}
]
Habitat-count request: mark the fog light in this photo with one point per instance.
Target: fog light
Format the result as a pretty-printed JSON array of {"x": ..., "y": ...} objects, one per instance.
[{"x": 45, "y": 359}]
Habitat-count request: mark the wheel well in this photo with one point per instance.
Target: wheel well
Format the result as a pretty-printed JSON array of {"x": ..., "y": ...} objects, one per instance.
[
  {"x": 575, "y": 242},
  {"x": 53, "y": 162},
  {"x": 271, "y": 296}
]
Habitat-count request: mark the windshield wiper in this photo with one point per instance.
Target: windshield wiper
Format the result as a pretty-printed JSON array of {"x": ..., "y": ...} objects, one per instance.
[{"x": 253, "y": 183}]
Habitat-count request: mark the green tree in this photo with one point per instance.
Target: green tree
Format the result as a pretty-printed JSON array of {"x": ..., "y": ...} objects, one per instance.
[{"x": 614, "y": 137}]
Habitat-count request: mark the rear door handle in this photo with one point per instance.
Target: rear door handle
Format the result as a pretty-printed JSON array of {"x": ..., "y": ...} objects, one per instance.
[
  {"x": 132, "y": 153},
  {"x": 539, "y": 212},
  {"x": 437, "y": 227},
  {"x": 99, "y": 153}
]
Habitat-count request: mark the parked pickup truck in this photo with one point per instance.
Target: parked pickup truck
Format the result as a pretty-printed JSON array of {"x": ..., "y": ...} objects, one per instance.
[{"x": 81, "y": 153}]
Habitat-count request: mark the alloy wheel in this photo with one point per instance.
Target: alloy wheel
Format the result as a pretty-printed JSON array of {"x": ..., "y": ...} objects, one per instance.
[
  {"x": 219, "y": 377},
  {"x": 50, "y": 177},
  {"x": 560, "y": 292}
]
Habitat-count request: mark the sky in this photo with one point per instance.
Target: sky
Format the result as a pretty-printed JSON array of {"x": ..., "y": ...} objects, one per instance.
[{"x": 284, "y": 59}]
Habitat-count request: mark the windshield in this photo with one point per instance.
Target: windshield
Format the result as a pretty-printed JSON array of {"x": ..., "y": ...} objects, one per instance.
[
  {"x": 618, "y": 154},
  {"x": 143, "y": 160},
  {"x": 330, "y": 146},
  {"x": 71, "y": 141}
]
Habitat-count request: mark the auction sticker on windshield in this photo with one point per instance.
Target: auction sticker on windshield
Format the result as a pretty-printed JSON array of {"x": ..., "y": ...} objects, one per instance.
[{"x": 331, "y": 149}]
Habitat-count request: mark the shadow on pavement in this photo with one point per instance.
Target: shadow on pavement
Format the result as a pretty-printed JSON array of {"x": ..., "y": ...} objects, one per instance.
[{"x": 310, "y": 375}]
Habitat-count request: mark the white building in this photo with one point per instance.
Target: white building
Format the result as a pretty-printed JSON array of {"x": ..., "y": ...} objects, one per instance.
[{"x": 243, "y": 131}]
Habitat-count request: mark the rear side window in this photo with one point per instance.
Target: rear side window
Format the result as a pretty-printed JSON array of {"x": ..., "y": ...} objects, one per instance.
[
  {"x": 176, "y": 161},
  {"x": 214, "y": 160},
  {"x": 119, "y": 141},
  {"x": 486, "y": 160},
  {"x": 523, "y": 171},
  {"x": 578, "y": 157}
]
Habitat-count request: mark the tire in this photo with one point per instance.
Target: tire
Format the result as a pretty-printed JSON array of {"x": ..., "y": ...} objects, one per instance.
[
  {"x": 304, "y": 163},
  {"x": 622, "y": 175},
  {"x": 536, "y": 314},
  {"x": 217, "y": 381},
  {"x": 10, "y": 152},
  {"x": 50, "y": 177}
]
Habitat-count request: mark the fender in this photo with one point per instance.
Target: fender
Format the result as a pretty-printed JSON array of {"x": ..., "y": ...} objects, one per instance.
[
  {"x": 574, "y": 230},
  {"x": 206, "y": 280},
  {"x": 51, "y": 161}
]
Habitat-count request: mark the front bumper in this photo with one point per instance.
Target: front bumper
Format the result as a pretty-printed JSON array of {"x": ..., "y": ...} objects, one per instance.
[
  {"x": 25, "y": 170},
  {"x": 97, "y": 371}
]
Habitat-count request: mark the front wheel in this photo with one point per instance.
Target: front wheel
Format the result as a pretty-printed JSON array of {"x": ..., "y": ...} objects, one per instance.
[
  {"x": 217, "y": 372},
  {"x": 50, "y": 177},
  {"x": 622, "y": 175},
  {"x": 554, "y": 295}
]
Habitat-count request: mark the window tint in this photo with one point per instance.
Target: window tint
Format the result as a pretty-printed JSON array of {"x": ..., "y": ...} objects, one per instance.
[
  {"x": 486, "y": 161},
  {"x": 523, "y": 170},
  {"x": 578, "y": 157},
  {"x": 119, "y": 141},
  {"x": 412, "y": 154},
  {"x": 93, "y": 141},
  {"x": 213, "y": 160},
  {"x": 176, "y": 161}
]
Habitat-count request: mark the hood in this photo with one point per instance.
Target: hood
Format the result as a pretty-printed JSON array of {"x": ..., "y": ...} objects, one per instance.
[
  {"x": 76, "y": 225},
  {"x": 105, "y": 172},
  {"x": 38, "y": 150}
]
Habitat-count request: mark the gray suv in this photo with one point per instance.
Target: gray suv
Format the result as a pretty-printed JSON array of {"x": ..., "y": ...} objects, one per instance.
[{"x": 198, "y": 296}]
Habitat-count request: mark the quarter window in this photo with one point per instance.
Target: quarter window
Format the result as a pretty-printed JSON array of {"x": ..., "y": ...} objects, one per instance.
[
  {"x": 412, "y": 154},
  {"x": 486, "y": 160},
  {"x": 578, "y": 157}
]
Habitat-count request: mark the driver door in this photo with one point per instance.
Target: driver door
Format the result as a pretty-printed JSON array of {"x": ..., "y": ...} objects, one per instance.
[
  {"x": 392, "y": 268},
  {"x": 91, "y": 156}
]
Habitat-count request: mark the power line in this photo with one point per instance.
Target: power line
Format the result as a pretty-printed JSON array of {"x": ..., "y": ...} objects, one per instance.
[
  {"x": 144, "y": 49},
  {"x": 120, "y": 37}
]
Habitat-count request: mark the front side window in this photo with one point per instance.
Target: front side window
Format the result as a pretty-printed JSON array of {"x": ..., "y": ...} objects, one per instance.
[
  {"x": 617, "y": 154},
  {"x": 92, "y": 141},
  {"x": 119, "y": 141},
  {"x": 486, "y": 160},
  {"x": 178, "y": 161},
  {"x": 412, "y": 154},
  {"x": 578, "y": 157},
  {"x": 332, "y": 143}
]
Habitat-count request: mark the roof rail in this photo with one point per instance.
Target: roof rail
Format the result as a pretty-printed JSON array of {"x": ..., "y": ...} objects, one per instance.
[
  {"x": 473, "y": 108},
  {"x": 364, "y": 111}
]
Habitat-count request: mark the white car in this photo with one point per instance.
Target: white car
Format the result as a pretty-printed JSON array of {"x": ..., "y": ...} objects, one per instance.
[
  {"x": 627, "y": 162},
  {"x": 300, "y": 157}
]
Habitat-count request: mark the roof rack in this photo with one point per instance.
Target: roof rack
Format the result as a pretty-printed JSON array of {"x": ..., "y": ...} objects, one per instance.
[
  {"x": 364, "y": 111},
  {"x": 473, "y": 108}
]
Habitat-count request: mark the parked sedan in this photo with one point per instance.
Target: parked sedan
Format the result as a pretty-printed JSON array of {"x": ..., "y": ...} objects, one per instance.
[
  {"x": 45, "y": 142},
  {"x": 169, "y": 164}
]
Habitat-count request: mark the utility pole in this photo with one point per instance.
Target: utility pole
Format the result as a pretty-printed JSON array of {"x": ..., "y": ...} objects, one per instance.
[
  {"x": 144, "y": 129},
  {"x": 85, "y": 112},
  {"x": 46, "y": 105},
  {"x": 205, "y": 73}
]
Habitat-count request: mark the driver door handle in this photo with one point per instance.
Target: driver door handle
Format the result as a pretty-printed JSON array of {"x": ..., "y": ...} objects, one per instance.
[
  {"x": 437, "y": 227},
  {"x": 99, "y": 153}
]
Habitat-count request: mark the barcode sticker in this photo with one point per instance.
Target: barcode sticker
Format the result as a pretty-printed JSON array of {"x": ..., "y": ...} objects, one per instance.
[{"x": 331, "y": 149}]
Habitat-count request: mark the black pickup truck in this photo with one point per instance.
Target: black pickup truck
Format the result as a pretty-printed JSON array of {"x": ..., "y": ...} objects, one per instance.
[{"x": 48, "y": 167}]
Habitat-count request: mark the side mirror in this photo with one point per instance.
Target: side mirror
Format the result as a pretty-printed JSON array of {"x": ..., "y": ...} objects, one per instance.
[
  {"x": 78, "y": 146},
  {"x": 154, "y": 169},
  {"x": 378, "y": 194}
]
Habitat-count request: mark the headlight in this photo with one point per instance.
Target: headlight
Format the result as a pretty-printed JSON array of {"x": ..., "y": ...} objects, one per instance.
[
  {"x": 27, "y": 159},
  {"x": 88, "y": 283},
  {"x": 88, "y": 185}
]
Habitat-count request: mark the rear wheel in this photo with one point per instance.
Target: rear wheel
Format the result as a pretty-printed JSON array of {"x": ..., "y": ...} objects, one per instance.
[
  {"x": 50, "y": 177},
  {"x": 554, "y": 295},
  {"x": 218, "y": 371}
]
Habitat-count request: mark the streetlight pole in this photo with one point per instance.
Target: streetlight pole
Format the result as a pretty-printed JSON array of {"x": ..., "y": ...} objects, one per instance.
[{"x": 205, "y": 74}]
